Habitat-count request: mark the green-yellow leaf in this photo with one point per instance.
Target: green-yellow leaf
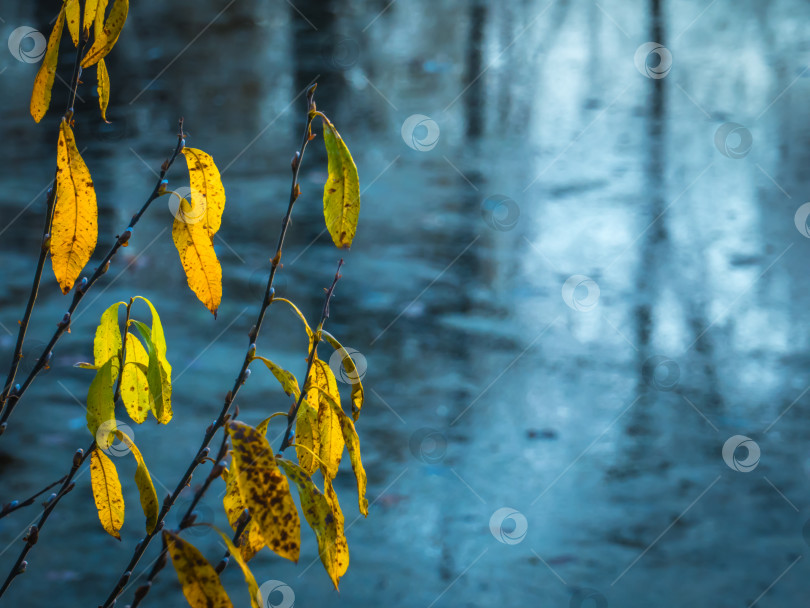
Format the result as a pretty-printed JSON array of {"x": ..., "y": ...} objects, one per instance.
[
  {"x": 200, "y": 582},
  {"x": 146, "y": 489},
  {"x": 75, "y": 218},
  {"x": 322, "y": 381},
  {"x": 43, "y": 84},
  {"x": 251, "y": 541},
  {"x": 353, "y": 447},
  {"x": 205, "y": 181},
  {"x": 196, "y": 248},
  {"x": 285, "y": 378},
  {"x": 107, "y": 343},
  {"x": 134, "y": 382},
  {"x": 341, "y": 193},
  {"x": 158, "y": 337},
  {"x": 265, "y": 491},
  {"x": 341, "y": 544},
  {"x": 100, "y": 404},
  {"x": 103, "y": 78},
  {"x": 107, "y": 492},
  {"x": 253, "y": 587},
  {"x": 358, "y": 395},
  {"x": 160, "y": 386},
  {"x": 73, "y": 11},
  {"x": 318, "y": 513},
  {"x": 106, "y": 38}
]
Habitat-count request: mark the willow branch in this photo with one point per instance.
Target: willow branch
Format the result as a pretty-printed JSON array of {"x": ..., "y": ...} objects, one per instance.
[
  {"x": 241, "y": 378},
  {"x": 14, "y": 505}
]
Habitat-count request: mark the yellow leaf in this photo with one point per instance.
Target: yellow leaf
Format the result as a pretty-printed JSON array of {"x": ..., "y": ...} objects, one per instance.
[
  {"x": 158, "y": 337},
  {"x": 253, "y": 587},
  {"x": 107, "y": 492},
  {"x": 285, "y": 378},
  {"x": 322, "y": 380},
  {"x": 103, "y": 88},
  {"x": 200, "y": 263},
  {"x": 146, "y": 489},
  {"x": 341, "y": 544},
  {"x": 106, "y": 38},
  {"x": 73, "y": 11},
  {"x": 265, "y": 491},
  {"x": 341, "y": 193},
  {"x": 307, "y": 435},
  {"x": 358, "y": 395},
  {"x": 43, "y": 84},
  {"x": 200, "y": 582},
  {"x": 107, "y": 343},
  {"x": 98, "y": 20},
  {"x": 159, "y": 381},
  {"x": 251, "y": 541},
  {"x": 353, "y": 446},
  {"x": 75, "y": 218},
  {"x": 318, "y": 513},
  {"x": 299, "y": 313},
  {"x": 134, "y": 383},
  {"x": 100, "y": 405},
  {"x": 90, "y": 8},
  {"x": 205, "y": 181}
]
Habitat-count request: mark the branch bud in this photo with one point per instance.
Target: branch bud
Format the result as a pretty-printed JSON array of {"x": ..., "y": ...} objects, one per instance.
[
  {"x": 163, "y": 184},
  {"x": 141, "y": 591},
  {"x": 23, "y": 567},
  {"x": 124, "y": 238},
  {"x": 221, "y": 565},
  {"x": 77, "y": 457},
  {"x": 33, "y": 535},
  {"x": 65, "y": 321},
  {"x": 296, "y": 161}
]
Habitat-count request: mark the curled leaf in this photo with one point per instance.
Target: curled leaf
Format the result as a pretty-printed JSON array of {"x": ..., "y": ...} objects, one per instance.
[
  {"x": 158, "y": 379},
  {"x": 341, "y": 193},
  {"x": 43, "y": 84},
  {"x": 107, "y": 492},
  {"x": 200, "y": 582},
  {"x": 285, "y": 378},
  {"x": 106, "y": 37},
  {"x": 298, "y": 313},
  {"x": 358, "y": 395},
  {"x": 265, "y": 491},
  {"x": 75, "y": 218},
  {"x": 146, "y": 489}
]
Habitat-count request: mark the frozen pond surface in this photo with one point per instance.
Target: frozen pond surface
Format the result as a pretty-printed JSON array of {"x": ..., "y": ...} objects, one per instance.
[{"x": 600, "y": 419}]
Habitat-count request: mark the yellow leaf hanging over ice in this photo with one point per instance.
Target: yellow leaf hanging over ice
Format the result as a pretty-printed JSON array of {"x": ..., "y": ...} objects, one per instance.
[
  {"x": 318, "y": 513},
  {"x": 90, "y": 8},
  {"x": 200, "y": 263},
  {"x": 73, "y": 11},
  {"x": 103, "y": 88},
  {"x": 107, "y": 492},
  {"x": 205, "y": 181},
  {"x": 341, "y": 193},
  {"x": 322, "y": 380},
  {"x": 200, "y": 582},
  {"x": 160, "y": 385},
  {"x": 146, "y": 489},
  {"x": 353, "y": 375},
  {"x": 341, "y": 544},
  {"x": 106, "y": 38},
  {"x": 265, "y": 491},
  {"x": 100, "y": 405},
  {"x": 285, "y": 378},
  {"x": 134, "y": 383},
  {"x": 75, "y": 218},
  {"x": 251, "y": 541},
  {"x": 107, "y": 343},
  {"x": 43, "y": 84},
  {"x": 353, "y": 446},
  {"x": 253, "y": 587}
]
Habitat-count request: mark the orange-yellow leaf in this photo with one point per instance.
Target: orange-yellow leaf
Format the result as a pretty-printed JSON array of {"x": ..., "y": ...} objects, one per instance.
[
  {"x": 265, "y": 491},
  {"x": 73, "y": 13},
  {"x": 75, "y": 218},
  {"x": 107, "y": 492},
  {"x": 107, "y": 37},
  {"x": 341, "y": 193},
  {"x": 200, "y": 263},
  {"x": 103, "y": 88},
  {"x": 322, "y": 380},
  {"x": 43, "y": 84},
  {"x": 251, "y": 541},
  {"x": 205, "y": 181},
  {"x": 200, "y": 582},
  {"x": 319, "y": 515}
]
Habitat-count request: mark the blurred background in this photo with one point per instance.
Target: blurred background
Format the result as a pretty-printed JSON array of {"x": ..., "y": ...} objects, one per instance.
[{"x": 579, "y": 286}]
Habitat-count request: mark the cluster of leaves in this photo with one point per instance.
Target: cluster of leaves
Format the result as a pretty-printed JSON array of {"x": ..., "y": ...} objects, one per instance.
[{"x": 131, "y": 365}]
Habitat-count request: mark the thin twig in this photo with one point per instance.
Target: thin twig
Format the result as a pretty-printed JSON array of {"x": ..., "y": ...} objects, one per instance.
[
  {"x": 33, "y": 533},
  {"x": 86, "y": 284},
  {"x": 12, "y": 506},
  {"x": 202, "y": 453}
]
